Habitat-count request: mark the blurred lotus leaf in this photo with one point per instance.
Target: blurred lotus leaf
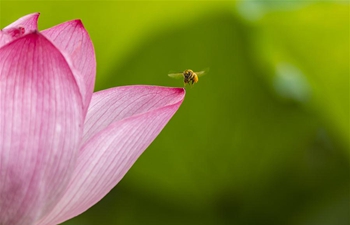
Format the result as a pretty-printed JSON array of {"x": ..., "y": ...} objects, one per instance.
[{"x": 263, "y": 138}]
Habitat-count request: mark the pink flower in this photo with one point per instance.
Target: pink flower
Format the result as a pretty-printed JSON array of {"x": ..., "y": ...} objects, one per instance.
[{"x": 63, "y": 147}]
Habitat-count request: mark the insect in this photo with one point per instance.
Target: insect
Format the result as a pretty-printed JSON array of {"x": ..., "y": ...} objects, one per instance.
[{"x": 189, "y": 76}]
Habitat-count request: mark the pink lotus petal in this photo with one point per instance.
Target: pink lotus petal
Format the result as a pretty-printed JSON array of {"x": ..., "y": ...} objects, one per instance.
[
  {"x": 40, "y": 128},
  {"x": 127, "y": 101},
  {"x": 20, "y": 27},
  {"x": 72, "y": 38},
  {"x": 108, "y": 155}
]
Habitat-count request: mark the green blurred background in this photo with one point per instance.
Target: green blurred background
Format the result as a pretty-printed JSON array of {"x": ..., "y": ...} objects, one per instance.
[{"x": 262, "y": 139}]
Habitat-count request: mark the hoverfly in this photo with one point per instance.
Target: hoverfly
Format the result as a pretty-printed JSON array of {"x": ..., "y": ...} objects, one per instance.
[{"x": 189, "y": 76}]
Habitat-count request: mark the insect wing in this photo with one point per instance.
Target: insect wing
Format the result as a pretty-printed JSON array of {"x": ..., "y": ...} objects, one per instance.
[
  {"x": 176, "y": 75},
  {"x": 203, "y": 72}
]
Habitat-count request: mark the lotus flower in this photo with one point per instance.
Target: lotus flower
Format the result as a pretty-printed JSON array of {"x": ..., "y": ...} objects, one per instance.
[{"x": 63, "y": 147}]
